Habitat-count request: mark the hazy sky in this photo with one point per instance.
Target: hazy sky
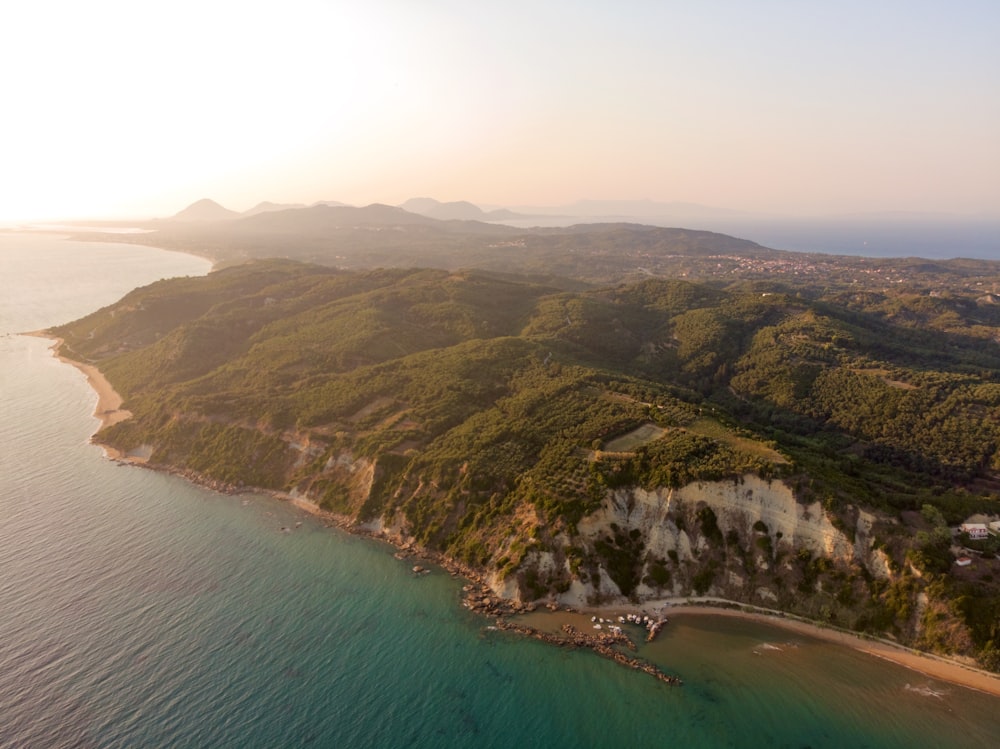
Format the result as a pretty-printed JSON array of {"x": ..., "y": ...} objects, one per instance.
[{"x": 118, "y": 107}]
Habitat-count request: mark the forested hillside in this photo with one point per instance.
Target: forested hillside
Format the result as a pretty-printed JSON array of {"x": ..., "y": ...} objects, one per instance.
[{"x": 493, "y": 417}]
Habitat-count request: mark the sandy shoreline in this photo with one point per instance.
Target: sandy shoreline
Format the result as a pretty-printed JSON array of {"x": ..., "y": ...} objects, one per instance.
[
  {"x": 109, "y": 403},
  {"x": 927, "y": 664}
]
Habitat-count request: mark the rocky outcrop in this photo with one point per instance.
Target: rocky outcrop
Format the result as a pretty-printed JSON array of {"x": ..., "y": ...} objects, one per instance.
[
  {"x": 746, "y": 539},
  {"x": 343, "y": 483},
  {"x": 751, "y": 530},
  {"x": 738, "y": 505}
]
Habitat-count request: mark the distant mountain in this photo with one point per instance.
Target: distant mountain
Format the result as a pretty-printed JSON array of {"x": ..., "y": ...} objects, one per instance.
[
  {"x": 209, "y": 210},
  {"x": 205, "y": 210},
  {"x": 422, "y": 205},
  {"x": 642, "y": 209},
  {"x": 458, "y": 210},
  {"x": 325, "y": 217},
  {"x": 267, "y": 207},
  {"x": 389, "y": 236},
  {"x": 462, "y": 210},
  {"x": 499, "y": 214}
]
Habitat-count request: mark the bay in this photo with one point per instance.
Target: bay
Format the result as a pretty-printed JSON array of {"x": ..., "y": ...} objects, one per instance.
[{"x": 138, "y": 610}]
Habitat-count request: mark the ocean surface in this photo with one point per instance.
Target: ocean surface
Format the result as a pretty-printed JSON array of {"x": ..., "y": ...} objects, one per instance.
[
  {"x": 137, "y": 610},
  {"x": 936, "y": 238}
]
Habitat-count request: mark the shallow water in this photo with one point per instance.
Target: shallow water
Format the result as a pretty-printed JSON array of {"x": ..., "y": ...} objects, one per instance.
[{"x": 139, "y": 610}]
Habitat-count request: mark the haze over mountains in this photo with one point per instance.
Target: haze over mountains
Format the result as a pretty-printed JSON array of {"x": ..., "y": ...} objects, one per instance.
[
  {"x": 460, "y": 209},
  {"x": 898, "y": 234},
  {"x": 208, "y": 210},
  {"x": 463, "y": 210},
  {"x": 389, "y": 236}
]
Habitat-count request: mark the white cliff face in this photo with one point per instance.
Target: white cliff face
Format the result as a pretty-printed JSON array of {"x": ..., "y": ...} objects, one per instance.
[
  {"x": 392, "y": 527},
  {"x": 666, "y": 519},
  {"x": 505, "y": 587},
  {"x": 737, "y": 505}
]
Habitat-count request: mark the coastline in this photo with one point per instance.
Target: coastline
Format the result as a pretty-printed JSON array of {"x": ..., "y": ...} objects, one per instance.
[
  {"x": 480, "y": 598},
  {"x": 928, "y": 664},
  {"x": 109, "y": 403},
  {"x": 933, "y": 666}
]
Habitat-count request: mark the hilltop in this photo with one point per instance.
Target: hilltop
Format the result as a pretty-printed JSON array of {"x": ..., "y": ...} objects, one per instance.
[
  {"x": 802, "y": 446},
  {"x": 460, "y": 210},
  {"x": 204, "y": 210}
]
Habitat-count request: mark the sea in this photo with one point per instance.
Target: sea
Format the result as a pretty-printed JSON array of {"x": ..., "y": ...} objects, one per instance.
[
  {"x": 139, "y": 610},
  {"x": 894, "y": 236}
]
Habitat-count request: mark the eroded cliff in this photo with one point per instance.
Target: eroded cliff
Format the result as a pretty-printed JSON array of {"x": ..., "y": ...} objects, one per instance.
[{"x": 746, "y": 539}]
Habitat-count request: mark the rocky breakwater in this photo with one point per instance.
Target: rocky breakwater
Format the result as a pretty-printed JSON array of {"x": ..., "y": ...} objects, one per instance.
[
  {"x": 480, "y": 598},
  {"x": 606, "y": 644}
]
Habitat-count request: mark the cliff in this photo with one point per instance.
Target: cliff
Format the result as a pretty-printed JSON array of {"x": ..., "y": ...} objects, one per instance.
[
  {"x": 762, "y": 526},
  {"x": 648, "y": 440},
  {"x": 744, "y": 539}
]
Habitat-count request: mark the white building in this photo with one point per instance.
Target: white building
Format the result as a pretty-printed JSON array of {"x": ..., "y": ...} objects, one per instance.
[{"x": 975, "y": 530}]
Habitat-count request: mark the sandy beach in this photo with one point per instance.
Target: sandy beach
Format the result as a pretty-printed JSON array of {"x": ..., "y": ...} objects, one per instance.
[
  {"x": 933, "y": 666},
  {"x": 930, "y": 665},
  {"x": 109, "y": 402}
]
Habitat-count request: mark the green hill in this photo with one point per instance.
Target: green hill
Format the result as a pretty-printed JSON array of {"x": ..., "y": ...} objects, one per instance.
[{"x": 532, "y": 428}]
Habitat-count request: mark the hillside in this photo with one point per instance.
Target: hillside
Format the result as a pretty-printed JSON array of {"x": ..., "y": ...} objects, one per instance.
[
  {"x": 794, "y": 448},
  {"x": 391, "y": 237}
]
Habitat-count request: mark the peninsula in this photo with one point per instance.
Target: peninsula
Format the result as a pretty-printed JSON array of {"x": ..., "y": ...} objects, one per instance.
[{"x": 819, "y": 443}]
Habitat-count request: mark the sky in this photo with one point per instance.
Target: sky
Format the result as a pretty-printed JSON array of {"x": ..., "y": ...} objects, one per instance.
[{"x": 117, "y": 108}]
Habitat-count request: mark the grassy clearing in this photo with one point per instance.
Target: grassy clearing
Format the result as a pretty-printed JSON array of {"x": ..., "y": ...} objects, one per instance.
[
  {"x": 708, "y": 427},
  {"x": 636, "y": 438},
  {"x": 884, "y": 375}
]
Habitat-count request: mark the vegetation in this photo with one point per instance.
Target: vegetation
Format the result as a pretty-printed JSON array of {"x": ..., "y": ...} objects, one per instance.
[{"x": 488, "y": 416}]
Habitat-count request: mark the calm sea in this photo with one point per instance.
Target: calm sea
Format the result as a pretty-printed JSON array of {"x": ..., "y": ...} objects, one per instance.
[
  {"x": 137, "y": 610},
  {"x": 886, "y": 237}
]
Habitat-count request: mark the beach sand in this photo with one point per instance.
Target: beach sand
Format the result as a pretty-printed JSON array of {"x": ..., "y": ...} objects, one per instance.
[
  {"x": 936, "y": 667},
  {"x": 109, "y": 403},
  {"x": 930, "y": 665}
]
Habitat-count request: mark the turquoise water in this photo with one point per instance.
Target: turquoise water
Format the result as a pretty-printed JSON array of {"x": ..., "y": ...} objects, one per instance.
[{"x": 137, "y": 610}]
